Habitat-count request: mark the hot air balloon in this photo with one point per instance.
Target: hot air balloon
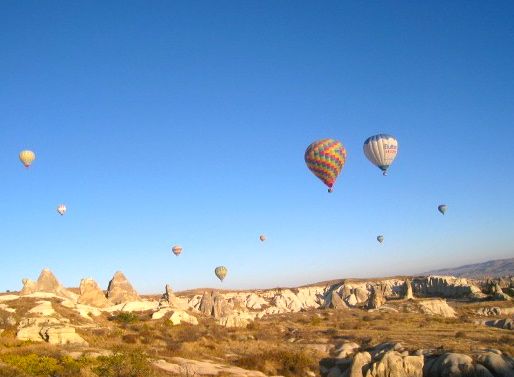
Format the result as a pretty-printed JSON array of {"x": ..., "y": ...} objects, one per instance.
[
  {"x": 221, "y": 272},
  {"x": 325, "y": 159},
  {"x": 381, "y": 150},
  {"x": 262, "y": 237},
  {"x": 380, "y": 238},
  {"x": 27, "y": 157},
  {"x": 442, "y": 208},
  {"x": 176, "y": 249},
  {"x": 61, "y": 209}
]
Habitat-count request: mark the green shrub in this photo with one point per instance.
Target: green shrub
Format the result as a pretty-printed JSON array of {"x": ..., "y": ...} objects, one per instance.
[
  {"x": 125, "y": 317},
  {"x": 124, "y": 363}
]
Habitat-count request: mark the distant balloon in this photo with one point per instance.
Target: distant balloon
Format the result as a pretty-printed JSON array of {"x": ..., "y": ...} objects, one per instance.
[
  {"x": 442, "y": 208},
  {"x": 61, "y": 209},
  {"x": 381, "y": 150},
  {"x": 221, "y": 272},
  {"x": 325, "y": 158},
  {"x": 176, "y": 250},
  {"x": 380, "y": 239},
  {"x": 262, "y": 237},
  {"x": 27, "y": 157}
]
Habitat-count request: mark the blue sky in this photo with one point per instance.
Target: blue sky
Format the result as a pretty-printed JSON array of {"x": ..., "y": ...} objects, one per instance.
[{"x": 160, "y": 122}]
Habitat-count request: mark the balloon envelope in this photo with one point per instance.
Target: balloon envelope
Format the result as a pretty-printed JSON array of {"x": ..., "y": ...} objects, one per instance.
[
  {"x": 221, "y": 272},
  {"x": 381, "y": 150},
  {"x": 27, "y": 157},
  {"x": 380, "y": 239},
  {"x": 442, "y": 208},
  {"x": 61, "y": 209},
  {"x": 176, "y": 250},
  {"x": 262, "y": 237},
  {"x": 325, "y": 159}
]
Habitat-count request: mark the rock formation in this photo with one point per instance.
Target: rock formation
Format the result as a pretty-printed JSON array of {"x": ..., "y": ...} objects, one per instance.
[
  {"x": 497, "y": 293},
  {"x": 206, "y": 304},
  {"x": 220, "y": 307},
  {"x": 180, "y": 316},
  {"x": 91, "y": 294},
  {"x": 408, "y": 294},
  {"x": 46, "y": 282},
  {"x": 376, "y": 299},
  {"x": 437, "y": 307},
  {"x": 392, "y": 360},
  {"x": 120, "y": 290},
  {"x": 446, "y": 286},
  {"x": 334, "y": 301}
]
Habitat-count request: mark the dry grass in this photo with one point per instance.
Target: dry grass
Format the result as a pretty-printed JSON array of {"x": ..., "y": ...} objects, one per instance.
[{"x": 281, "y": 344}]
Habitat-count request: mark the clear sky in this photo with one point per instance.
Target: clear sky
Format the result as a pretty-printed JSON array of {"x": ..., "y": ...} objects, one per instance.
[{"x": 163, "y": 122}]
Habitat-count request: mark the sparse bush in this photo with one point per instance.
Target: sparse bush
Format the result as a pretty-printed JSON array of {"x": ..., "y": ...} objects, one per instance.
[
  {"x": 130, "y": 338},
  {"x": 315, "y": 321},
  {"x": 124, "y": 363},
  {"x": 461, "y": 334},
  {"x": 125, "y": 317},
  {"x": 282, "y": 362}
]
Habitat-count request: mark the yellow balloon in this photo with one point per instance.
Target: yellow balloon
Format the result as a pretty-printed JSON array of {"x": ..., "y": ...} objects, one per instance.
[{"x": 27, "y": 157}]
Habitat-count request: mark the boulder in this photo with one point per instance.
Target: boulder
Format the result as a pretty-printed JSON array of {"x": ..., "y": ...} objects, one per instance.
[
  {"x": 168, "y": 299},
  {"x": 120, "y": 290},
  {"x": 506, "y": 324},
  {"x": 437, "y": 307},
  {"x": 91, "y": 294},
  {"x": 361, "y": 294},
  {"x": 488, "y": 312},
  {"x": 235, "y": 320},
  {"x": 499, "y": 365},
  {"x": 497, "y": 293},
  {"x": 359, "y": 361},
  {"x": 451, "y": 365},
  {"x": 180, "y": 316},
  {"x": 351, "y": 300},
  {"x": 334, "y": 301},
  {"x": 344, "y": 350},
  {"x": 62, "y": 336},
  {"x": 394, "y": 364},
  {"x": 30, "y": 328}
]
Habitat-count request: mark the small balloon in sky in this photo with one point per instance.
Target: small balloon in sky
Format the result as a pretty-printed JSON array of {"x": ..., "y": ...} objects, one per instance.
[
  {"x": 380, "y": 238},
  {"x": 27, "y": 157},
  {"x": 325, "y": 159},
  {"x": 381, "y": 150},
  {"x": 176, "y": 249},
  {"x": 442, "y": 208},
  {"x": 221, "y": 272},
  {"x": 262, "y": 237},
  {"x": 61, "y": 209}
]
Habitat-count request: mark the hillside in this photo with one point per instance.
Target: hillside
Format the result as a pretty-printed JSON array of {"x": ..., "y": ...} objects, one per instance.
[{"x": 493, "y": 268}]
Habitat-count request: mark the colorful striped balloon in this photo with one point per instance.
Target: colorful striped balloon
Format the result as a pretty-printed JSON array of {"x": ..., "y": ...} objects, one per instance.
[{"x": 325, "y": 159}]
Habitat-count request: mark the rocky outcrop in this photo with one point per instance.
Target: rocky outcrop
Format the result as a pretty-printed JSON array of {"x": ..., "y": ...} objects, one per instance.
[
  {"x": 505, "y": 324},
  {"x": 446, "y": 287},
  {"x": 168, "y": 299},
  {"x": 376, "y": 299},
  {"x": 220, "y": 306},
  {"x": 91, "y": 294},
  {"x": 184, "y": 367},
  {"x": 437, "y": 307},
  {"x": 235, "y": 320},
  {"x": 334, "y": 301},
  {"x": 408, "y": 294},
  {"x": 120, "y": 290},
  {"x": 206, "y": 304},
  {"x": 62, "y": 335},
  {"x": 179, "y": 316},
  {"x": 392, "y": 360},
  {"x": 497, "y": 293},
  {"x": 48, "y": 283}
]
